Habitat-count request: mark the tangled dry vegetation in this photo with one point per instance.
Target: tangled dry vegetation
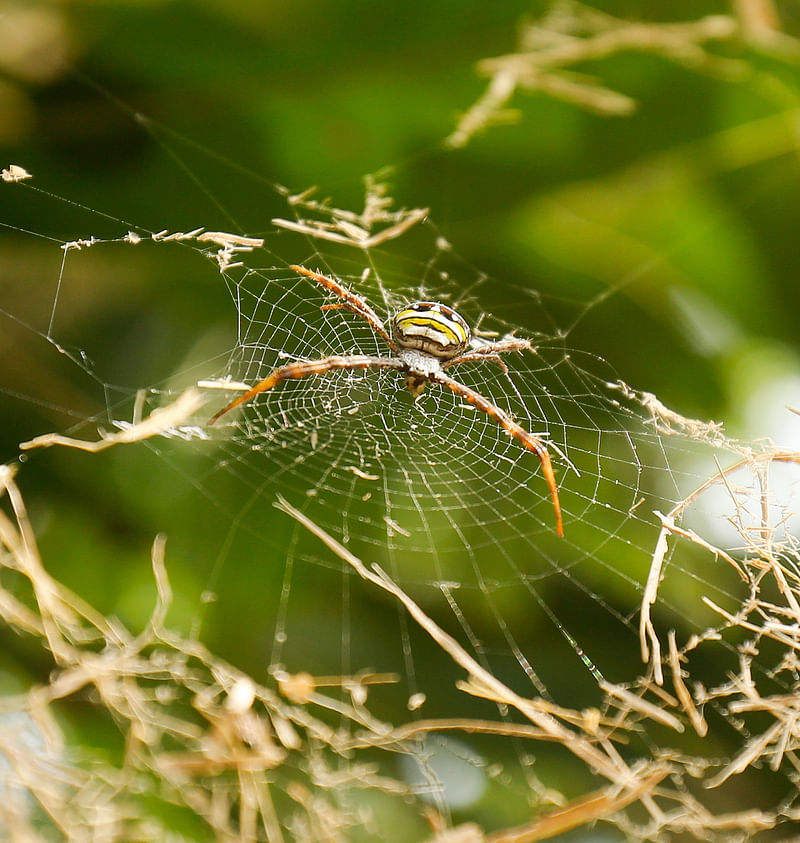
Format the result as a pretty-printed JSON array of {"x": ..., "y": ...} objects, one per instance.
[{"x": 246, "y": 761}]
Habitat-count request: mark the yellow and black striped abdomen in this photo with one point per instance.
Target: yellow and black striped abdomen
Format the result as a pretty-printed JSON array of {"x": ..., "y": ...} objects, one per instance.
[{"x": 431, "y": 327}]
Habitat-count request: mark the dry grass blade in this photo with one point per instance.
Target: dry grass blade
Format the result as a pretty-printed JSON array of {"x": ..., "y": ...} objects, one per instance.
[
  {"x": 571, "y": 33},
  {"x": 163, "y": 421},
  {"x": 601, "y": 760}
]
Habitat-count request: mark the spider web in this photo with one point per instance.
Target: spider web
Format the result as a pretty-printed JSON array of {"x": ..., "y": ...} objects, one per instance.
[{"x": 433, "y": 492}]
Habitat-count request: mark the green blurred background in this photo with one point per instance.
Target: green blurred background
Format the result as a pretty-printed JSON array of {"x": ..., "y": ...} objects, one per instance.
[{"x": 670, "y": 235}]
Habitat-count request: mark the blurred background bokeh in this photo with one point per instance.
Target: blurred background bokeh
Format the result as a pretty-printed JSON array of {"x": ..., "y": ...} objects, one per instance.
[{"x": 665, "y": 238}]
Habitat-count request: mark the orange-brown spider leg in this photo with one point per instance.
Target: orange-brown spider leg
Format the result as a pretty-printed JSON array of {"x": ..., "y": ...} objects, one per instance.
[
  {"x": 301, "y": 369},
  {"x": 531, "y": 442},
  {"x": 349, "y": 300}
]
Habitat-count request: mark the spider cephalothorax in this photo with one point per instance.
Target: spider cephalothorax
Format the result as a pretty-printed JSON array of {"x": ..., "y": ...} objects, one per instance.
[{"x": 427, "y": 338}]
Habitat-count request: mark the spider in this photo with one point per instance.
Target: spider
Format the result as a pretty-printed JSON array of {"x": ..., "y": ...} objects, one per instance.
[{"x": 426, "y": 339}]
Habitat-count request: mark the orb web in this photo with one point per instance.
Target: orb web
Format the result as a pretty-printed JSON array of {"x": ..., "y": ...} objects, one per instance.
[{"x": 431, "y": 489}]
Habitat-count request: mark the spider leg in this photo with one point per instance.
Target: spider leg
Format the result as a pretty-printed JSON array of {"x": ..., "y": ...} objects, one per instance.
[
  {"x": 491, "y": 351},
  {"x": 528, "y": 440},
  {"x": 508, "y": 343},
  {"x": 471, "y": 358},
  {"x": 350, "y": 301},
  {"x": 303, "y": 368}
]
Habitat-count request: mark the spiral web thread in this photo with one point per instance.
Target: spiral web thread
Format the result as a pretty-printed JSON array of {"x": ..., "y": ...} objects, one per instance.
[{"x": 457, "y": 520}]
